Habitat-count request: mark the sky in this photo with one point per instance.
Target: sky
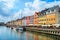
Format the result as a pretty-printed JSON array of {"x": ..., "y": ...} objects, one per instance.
[{"x": 15, "y": 9}]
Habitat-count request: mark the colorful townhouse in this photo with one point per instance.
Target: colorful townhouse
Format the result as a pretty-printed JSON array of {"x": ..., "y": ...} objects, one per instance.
[
  {"x": 19, "y": 22},
  {"x": 31, "y": 20},
  {"x": 50, "y": 16},
  {"x": 27, "y": 20},
  {"x": 36, "y": 18},
  {"x": 42, "y": 18},
  {"x": 24, "y": 21},
  {"x": 53, "y": 16}
]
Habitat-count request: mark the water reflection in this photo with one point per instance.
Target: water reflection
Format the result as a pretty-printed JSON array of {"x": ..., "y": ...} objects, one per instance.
[
  {"x": 40, "y": 36},
  {"x": 29, "y": 36},
  {"x": 9, "y": 34}
]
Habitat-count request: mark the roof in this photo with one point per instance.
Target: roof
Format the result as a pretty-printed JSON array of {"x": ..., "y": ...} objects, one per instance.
[{"x": 43, "y": 12}]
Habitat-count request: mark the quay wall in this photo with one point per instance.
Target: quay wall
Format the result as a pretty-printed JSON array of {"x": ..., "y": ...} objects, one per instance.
[{"x": 46, "y": 31}]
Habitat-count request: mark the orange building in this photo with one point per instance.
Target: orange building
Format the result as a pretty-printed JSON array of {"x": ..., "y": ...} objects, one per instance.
[
  {"x": 36, "y": 18},
  {"x": 51, "y": 18}
]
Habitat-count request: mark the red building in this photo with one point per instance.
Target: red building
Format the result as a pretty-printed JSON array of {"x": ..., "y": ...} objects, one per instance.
[
  {"x": 31, "y": 20},
  {"x": 27, "y": 20}
]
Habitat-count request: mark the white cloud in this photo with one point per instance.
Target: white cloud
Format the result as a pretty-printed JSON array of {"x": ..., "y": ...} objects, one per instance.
[
  {"x": 28, "y": 4},
  {"x": 27, "y": 12},
  {"x": 52, "y": 4},
  {"x": 39, "y": 5},
  {"x": 8, "y": 4},
  {"x": 30, "y": 8},
  {"x": 17, "y": 15},
  {"x": 4, "y": 19}
]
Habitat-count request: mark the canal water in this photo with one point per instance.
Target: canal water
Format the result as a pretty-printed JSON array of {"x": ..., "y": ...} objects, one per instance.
[{"x": 10, "y": 34}]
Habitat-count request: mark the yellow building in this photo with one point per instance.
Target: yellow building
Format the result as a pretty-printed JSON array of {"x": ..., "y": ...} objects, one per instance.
[
  {"x": 47, "y": 19},
  {"x": 42, "y": 20},
  {"x": 50, "y": 16},
  {"x": 19, "y": 22}
]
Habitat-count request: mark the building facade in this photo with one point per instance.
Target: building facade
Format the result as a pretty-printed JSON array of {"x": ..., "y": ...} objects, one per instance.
[
  {"x": 31, "y": 20},
  {"x": 50, "y": 16},
  {"x": 36, "y": 18},
  {"x": 42, "y": 20},
  {"x": 24, "y": 21},
  {"x": 19, "y": 22},
  {"x": 27, "y": 20}
]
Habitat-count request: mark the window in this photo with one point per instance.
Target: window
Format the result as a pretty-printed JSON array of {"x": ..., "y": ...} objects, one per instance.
[
  {"x": 52, "y": 10},
  {"x": 54, "y": 19}
]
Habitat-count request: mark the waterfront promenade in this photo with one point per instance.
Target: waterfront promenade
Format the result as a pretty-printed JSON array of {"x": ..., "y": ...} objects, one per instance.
[
  {"x": 53, "y": 31},
  {"x": 43, "y": 30}
]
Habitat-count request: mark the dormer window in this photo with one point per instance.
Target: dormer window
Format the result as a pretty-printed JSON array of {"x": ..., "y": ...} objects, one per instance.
[
  {"x": 44, "y": 13},
  {"x": 54, "y": 10},
  {"x": 50, "y": 11}
]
